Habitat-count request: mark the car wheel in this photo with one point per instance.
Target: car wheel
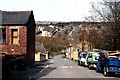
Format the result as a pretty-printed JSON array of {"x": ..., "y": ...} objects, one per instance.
[
  {"x": 105, "y": 73},
  {"x": 78, "y": 63},
  {"x": 89, "y": 66}
]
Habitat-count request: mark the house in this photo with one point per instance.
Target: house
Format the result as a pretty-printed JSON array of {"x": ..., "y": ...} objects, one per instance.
[
  {"x": 45, "y": 31},
  {"x": 79, "y": 46},
  {"x": 69, "y": 52},
  {"x": 41, "y": 52},
  {"x": 18, "y": 36},
  {"x": 75, "y": 53},
  {"x": 51, "y": 26}
]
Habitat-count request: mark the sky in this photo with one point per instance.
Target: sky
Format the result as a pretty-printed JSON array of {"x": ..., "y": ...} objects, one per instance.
[{"x": 50, "y": 10}]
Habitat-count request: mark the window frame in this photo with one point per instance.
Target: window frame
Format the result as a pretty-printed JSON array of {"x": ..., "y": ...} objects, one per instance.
[{"x": 12, "y": 36}]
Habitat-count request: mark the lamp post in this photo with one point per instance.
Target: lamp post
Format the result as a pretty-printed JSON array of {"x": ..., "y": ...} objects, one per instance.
[
  {"x": 70, "y": 50},
  {"x": 83, "y": 43}
]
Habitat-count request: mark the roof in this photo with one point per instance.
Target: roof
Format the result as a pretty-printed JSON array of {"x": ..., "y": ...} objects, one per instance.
[
  {"x": 15, "y": 17},
  {"x": 47, "y": 28},
  {"x": 40, "y": 47}
]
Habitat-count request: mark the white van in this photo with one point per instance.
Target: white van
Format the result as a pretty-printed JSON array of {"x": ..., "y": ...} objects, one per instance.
[
  {"x": 82, "y": 59},
  {"x": 92, "y": 58}
]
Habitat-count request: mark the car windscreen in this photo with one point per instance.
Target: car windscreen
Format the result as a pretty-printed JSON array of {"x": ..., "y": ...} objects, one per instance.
[{"x": 84, "y": 55}]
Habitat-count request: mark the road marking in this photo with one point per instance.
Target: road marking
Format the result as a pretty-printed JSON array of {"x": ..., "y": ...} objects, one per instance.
[
  {"x": 48, "y": 66},
  {"x": 51, "y": 61},
  {"x": 65, "y": 59}
]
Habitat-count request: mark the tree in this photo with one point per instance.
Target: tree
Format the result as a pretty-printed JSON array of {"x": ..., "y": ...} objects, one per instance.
[
  {"x": 108, "y": 12},
  {"x": 53, "y": 44}
]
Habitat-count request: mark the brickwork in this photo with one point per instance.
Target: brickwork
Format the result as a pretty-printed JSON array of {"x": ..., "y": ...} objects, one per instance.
[
  {"x": 19, "y": 48},
  {"x": 31, "y": 40},
  {"x": 24, "y": 32}
]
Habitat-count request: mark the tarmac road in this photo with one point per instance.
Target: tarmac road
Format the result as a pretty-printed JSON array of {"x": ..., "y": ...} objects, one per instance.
[{"x": 59, "y": 67}]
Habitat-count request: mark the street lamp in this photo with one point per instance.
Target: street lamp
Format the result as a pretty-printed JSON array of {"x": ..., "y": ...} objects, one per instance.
[
  {"x": 70, "y": 50},
  {"x": 83, "y": 42}
]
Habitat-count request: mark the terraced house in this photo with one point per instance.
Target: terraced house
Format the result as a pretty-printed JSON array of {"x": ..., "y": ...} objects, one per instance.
[{"x": 18, "y": 36}]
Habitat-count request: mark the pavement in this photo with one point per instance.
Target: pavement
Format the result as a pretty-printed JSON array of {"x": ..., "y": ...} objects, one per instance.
[{"x": 29, "y": 71}]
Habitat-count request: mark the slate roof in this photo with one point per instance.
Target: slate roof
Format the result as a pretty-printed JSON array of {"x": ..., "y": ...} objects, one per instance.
[
  {"x": 15, "y": 17},
  {"x": 40, "y": 47},
  {"x": 46, "y": 28}
]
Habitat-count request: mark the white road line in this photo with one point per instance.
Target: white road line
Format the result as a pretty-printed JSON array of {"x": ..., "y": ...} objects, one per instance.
[
  {"x": 51, "y": 66},
  {"x": 45, "y": 66}
]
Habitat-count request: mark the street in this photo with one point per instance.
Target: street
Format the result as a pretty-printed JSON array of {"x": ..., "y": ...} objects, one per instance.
[
  {"x": 59, "y": 67},
  {"x": 60, "y": 39}
]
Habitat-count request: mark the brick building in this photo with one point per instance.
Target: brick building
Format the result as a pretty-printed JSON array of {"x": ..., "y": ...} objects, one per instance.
[{"x": 18, "y": 35}]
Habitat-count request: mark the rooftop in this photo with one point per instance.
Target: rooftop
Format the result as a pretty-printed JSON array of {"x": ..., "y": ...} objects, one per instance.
[{"x": 15, "y": 17}]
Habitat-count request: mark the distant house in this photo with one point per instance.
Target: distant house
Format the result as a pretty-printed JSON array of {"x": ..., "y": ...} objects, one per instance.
[
  {"x": 40, "y": 47},
  {"x": 45, "y": 30},
  {"x": 41, "y": 52},
  {"x": 18, "y": 35},
  {"x": 51, "y": 26}
]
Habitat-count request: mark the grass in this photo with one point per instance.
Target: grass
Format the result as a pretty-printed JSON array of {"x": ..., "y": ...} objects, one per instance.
[
  {"x": 76, "y": 60},
  {"x": 62, "y": 53}
]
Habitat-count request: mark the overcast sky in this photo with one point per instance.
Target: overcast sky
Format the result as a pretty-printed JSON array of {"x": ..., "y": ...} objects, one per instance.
[{"x": 50, "y": 10}]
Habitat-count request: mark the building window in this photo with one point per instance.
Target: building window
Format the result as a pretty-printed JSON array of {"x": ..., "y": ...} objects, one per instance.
[
  {"x": 0, "y": 35},
  {"x": 14, "y": 36},
  {"x": 3, "y": 35}
]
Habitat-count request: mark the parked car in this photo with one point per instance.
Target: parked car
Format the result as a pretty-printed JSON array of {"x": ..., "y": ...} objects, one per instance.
[
  {"x": 92, "y": 58},
  {"x": 82, "y": 59},
  {"x": 94, "y": 50},
  {"x": 63, "y": 56},
  {"x": 109, "y": 63}
]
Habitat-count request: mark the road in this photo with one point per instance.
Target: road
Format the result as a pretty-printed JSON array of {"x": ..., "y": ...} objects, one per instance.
[{"x": 60, "y": 67}]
